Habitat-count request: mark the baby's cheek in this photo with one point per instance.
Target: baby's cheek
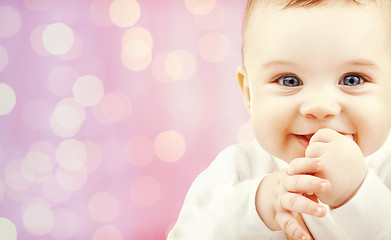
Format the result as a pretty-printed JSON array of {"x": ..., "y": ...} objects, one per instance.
[{"x": 370, "y": 143}]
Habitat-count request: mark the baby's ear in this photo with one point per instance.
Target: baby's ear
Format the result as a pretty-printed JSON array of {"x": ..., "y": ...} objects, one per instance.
[{"x": 244, "y": 87}]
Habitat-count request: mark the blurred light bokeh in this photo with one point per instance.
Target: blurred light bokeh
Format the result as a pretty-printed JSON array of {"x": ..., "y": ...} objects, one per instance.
[{"x": 110, "y": 109}]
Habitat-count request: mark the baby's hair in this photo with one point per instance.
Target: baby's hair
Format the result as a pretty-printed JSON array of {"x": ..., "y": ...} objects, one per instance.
[
  {"x": 251, "y": 4},
  {"x": 302, "y": 3}
]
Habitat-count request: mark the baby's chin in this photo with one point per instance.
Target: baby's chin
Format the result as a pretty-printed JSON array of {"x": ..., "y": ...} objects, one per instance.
[{"x": 289, "y": 157}]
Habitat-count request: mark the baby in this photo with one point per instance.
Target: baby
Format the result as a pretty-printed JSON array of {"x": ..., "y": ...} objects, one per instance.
[{"x": 316, "y": 80}]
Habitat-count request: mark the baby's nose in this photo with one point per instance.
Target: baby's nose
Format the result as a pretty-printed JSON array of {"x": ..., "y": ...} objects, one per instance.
[{"x": 321, "y": 106}]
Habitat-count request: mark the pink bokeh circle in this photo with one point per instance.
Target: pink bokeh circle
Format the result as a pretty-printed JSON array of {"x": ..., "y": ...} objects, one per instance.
[
  {"x": 10, "y": 21},
  {"x": 169, "y": 146},
  {"x": 107, "y": 232},
  {"x": 65, "y": 224},
  {"x": 103, "y": 207},
  {"x": 145, "y": 191}
]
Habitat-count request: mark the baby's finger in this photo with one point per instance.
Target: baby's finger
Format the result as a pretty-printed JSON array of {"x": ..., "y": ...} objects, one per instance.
[
  {"x": 307, "y": 184},
  {"x": 315, "y": 149},
  {"x": 304, "y": 165},
  {"x": 290, "y": 226},
  {"x": 325, "y": 135},
  {"x": 297, "y": 203}
]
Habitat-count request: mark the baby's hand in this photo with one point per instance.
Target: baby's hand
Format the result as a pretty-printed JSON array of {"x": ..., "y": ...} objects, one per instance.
[
  {"x": 281, "y": 196},
  {"x": 344, "y": 165}
]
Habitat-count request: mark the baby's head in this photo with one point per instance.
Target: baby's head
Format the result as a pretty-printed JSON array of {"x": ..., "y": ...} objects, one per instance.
[{"x": 315, "y": 64}]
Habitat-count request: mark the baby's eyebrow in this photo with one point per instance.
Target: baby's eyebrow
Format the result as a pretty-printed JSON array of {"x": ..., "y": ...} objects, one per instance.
[
  {"x": 276, "y": 63},
  {"x": 362, "y": 63}
]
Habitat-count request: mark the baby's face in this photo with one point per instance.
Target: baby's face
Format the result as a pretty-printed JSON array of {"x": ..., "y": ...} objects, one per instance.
[{"x": 318, "y": 67}]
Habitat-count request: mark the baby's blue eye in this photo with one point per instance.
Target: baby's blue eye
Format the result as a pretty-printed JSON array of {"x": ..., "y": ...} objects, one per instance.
[
  {"x": 290, "y": 81},
  {"x": 351, "y": 80}
]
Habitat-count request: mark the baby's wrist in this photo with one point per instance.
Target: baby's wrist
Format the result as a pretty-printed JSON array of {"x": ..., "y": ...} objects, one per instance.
[
  {"x": 263, "y": 203},
  {"x": 347, "y": 197}
]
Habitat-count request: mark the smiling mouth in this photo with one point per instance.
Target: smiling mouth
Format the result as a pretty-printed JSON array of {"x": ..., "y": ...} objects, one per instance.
[{"x": 304, "y": 140}]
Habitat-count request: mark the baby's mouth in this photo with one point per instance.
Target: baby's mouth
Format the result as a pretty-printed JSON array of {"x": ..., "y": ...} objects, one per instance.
[
  {"x": 308, "y": 136},
  {"x": 304, "y": 140}
]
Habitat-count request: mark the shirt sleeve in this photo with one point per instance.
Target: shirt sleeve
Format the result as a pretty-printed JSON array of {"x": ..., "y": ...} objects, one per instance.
[
  {"x": 221, "y": 205},
  {"x": 368, "y": 214}
]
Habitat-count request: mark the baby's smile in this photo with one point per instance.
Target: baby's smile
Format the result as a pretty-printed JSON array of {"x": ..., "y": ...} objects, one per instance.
[{"x": 304, "y": 139}]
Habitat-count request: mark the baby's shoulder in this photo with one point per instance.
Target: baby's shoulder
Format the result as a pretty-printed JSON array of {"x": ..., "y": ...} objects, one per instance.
[{"x": 249, "y": 150}]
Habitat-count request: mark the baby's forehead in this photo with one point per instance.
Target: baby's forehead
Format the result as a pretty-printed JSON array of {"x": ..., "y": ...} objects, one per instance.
[
  {"x": 263, "y": 5},
  {"x": 259, "y": 8},
  {"x": 252, "y": 4}
]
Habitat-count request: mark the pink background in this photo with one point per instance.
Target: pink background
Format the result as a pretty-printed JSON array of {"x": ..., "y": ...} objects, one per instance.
[{"x": 119, "y": 105}]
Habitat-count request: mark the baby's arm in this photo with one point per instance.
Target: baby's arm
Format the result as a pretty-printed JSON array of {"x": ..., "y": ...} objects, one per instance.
[{"x": 281, "y": 196}]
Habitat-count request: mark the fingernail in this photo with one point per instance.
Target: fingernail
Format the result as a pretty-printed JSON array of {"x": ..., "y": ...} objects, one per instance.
[
  {"x": 319, "y": 165},
  {"x": 318, "y": 211},
  {"x": 323, "y": 186}
]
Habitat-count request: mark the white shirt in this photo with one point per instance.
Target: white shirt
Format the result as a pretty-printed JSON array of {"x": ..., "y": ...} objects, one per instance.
[{"x": 220, "y": 203}]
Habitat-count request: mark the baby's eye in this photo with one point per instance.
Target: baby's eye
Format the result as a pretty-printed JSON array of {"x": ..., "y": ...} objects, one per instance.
[
  {"x": 351, "y": 80},
  {"x": 290, "y": 81}
]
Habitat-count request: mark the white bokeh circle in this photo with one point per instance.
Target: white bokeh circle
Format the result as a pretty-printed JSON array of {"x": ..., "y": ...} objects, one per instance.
[
  {"x": 88, "y": 90},
  {"x": 7, "y": 99},
  {"x": 7, "y": 229},
  {"x": 58, "y": 38}
]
